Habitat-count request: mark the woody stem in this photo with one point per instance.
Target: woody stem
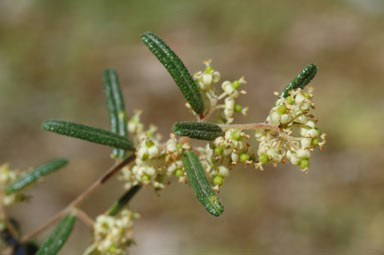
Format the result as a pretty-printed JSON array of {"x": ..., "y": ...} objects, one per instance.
[{"x": 82, "y": 197}]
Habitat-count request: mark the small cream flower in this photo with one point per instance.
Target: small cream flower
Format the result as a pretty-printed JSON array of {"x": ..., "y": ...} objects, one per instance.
[{"x": 113, "y": 234}]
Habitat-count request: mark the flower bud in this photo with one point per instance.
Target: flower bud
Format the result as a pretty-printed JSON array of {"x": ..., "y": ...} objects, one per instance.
[
  {"x": 150, "y": 171},
  {"x": 275, "y": 118},
  {"x": 238, "y": 108},
  {"x": 290, "y": 100},
  {"x": 299, "y": 99},
  {"x": 263, "y": 158},
  {"x": 153, "y": 151},
  {"x": 171, "y": 145},
  {"x": 304, "y": 164},
  {"x": 303, "y": 132},
  {"x": 220, "y": 140},
  {"x": 244, "y": 157},
  {"x": 218, "y": 180},
  {"x": 207, "y": 79},
  {"x": 305, "y": 107},
  {"x": 311, "y": 124},
  {"x": 219, "y": 150},
  {"x": 234, "y": 157},
  {"x": 301, "y": 153},
  {"x": 302, "y": 119},
  {"x": 236, "y": 135},
  {"x": 229, "y": 103},
  {"x": 312, "y": 133},
  {"x": 179, "y": 172},
  {"x": 227, "y": 87},
  {"x": 236, "y": 84},
  {"x": 294, "y": 160},
  {"x": 201, "y": 85},
  {"x": 285, "y": 118},
  {"x": 215, "y": 76},
  {"x": 306, "y": 142},
  {"x": 223, "y": 171},
  {"x": 141, "y": 152},
  {"x": 281, "y": 109}
]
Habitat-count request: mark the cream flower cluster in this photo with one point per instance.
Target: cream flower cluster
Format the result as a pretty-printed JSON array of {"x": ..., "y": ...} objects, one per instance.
[
  {"x": 233, "y": 145},
  {"x": 291, "y": 116},
  {"x": 113, "y": 234},
  {"x": 289, "y": 133},
  {"x": 229, "y": 150},
  {"x": 7, "y": 176},
  {"x": 155, "y": 161},
  {"x": 206, "y": 82},
  {"x": 218, "y": 157}
]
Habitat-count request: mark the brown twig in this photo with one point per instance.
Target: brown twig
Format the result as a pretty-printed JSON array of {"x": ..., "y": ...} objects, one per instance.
[
  {"x": 83, "y": 216},
  {"x": 77, "y": 201},
  {"x": 250, "y": 126}
]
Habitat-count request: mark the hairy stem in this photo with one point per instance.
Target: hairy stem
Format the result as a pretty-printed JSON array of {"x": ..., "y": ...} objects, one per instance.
[
  {"x": 77, "y": 201},
  {"x": 250, "y": 126},
  {"x": 83, "y": 216}
]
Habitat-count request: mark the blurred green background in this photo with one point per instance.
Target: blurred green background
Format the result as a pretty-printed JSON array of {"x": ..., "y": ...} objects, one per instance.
[{"x": 53, "y": 53}]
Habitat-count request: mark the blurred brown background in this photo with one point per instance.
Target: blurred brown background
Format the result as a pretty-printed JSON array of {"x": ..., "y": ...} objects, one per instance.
[{"x": 53, "y": 53}]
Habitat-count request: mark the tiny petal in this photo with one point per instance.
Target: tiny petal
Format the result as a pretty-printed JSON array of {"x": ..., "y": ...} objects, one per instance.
[
  {"x": 215, "y": 76},
  {"x": 223, "y": 171},
  {"x": 312, "y": 133},
  {"x": 306, "y": 142},
  {"x": 299, "y": 99},
  {"x": 302, "y": 153},
  {"x": 285, "y": 118},
  {"x": 207, "y": 79}
]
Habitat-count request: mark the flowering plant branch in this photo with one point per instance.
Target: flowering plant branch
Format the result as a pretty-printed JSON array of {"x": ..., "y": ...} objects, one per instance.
[{"x": 288, "y": 134}]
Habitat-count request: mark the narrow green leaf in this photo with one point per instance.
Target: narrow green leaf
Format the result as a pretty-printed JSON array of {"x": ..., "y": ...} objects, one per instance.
[
  {"x": 40, "y": 171},
  {"x": 59, "y": 236},
  {"x": 123, "y": 200},
  {"x": 176, "y": 69},
  {"x": 200, "y": 184},
  {"x": 301, "y": 80},
  {"x": 116, "y": 108},
  {"x": 197, "y": 130},
  {"x": 91, "y": 134}
]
